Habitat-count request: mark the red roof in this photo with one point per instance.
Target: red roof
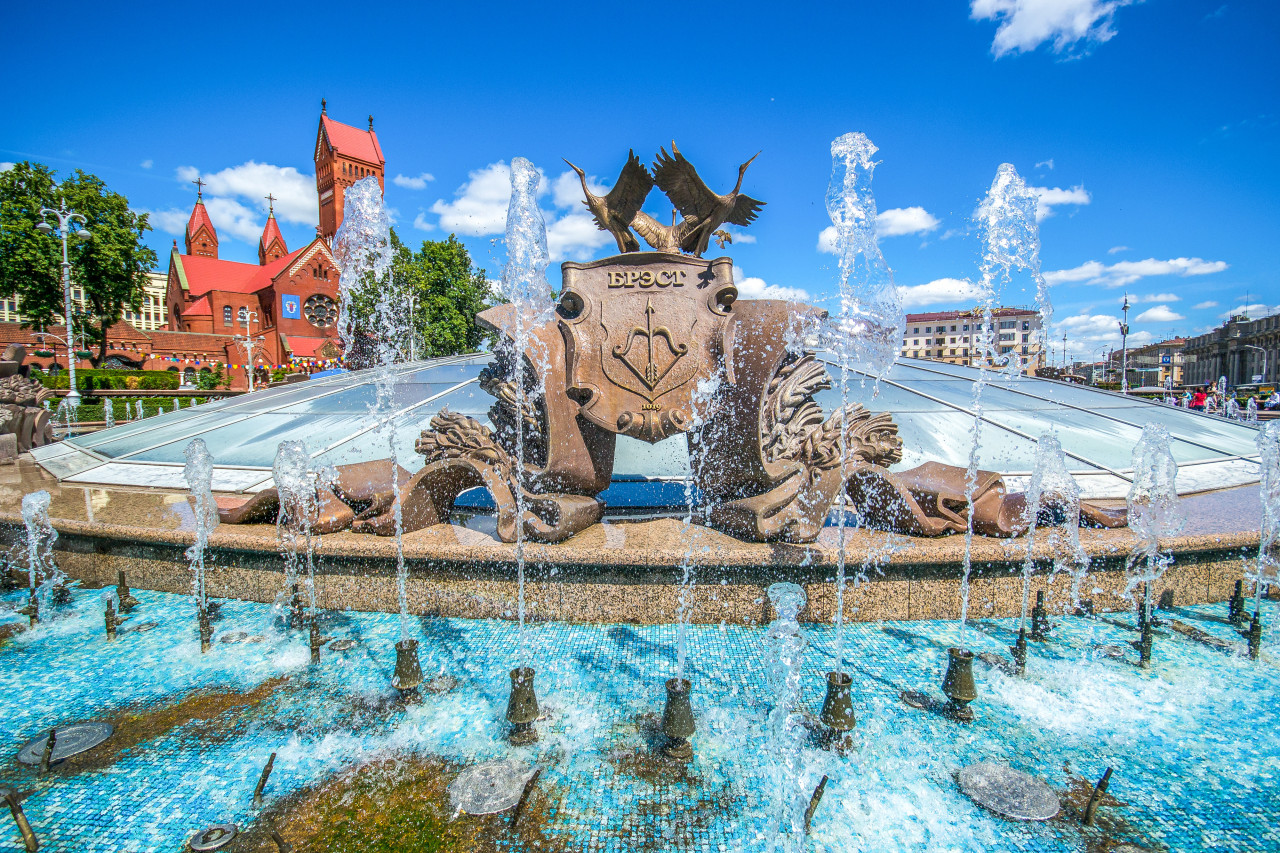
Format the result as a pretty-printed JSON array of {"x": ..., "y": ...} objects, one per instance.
[
  {"x": 205, "y": 274},
  {"x": 301, "y": 346},
  {"x": 352, "y": 141},
  {"x": 199, "y": 308},
  {"x": 200, "y": 216},
  {"x": 973, "y": 312},
  {"x": 270, "y": 232}
]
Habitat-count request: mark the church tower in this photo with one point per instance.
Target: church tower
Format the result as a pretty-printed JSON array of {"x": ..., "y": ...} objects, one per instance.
[
  {"x": 344, "y": 155},
  {"x": 202, "y": 239},
  {"x": 271, "y": 244}
]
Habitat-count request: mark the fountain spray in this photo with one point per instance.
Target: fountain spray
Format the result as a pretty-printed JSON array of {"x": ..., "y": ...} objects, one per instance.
[
  {"x": 1267, "y": 571},
  {"x": 141, "y": 413},
  {"x": 524, "y": 284},
  {"x": 1154, "y": 512},
  {"x": 109, "y": 413},
  {"x": 42, "y": 570},
  {"x": 372, "y": 311},
  {"x": 296, "y": 484},
  {"x": 865, "y": 335},
  {"x": 701, "y": 400},
  {"x": 786, "y": 828},
  {"x": 1052, "y": 488},
  {"x": 198, "y": 473}
]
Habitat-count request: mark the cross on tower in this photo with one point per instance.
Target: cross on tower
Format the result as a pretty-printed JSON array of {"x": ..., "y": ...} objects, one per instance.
[
  {"x": 199, "y": 188},
  {"x": 271, "y": 203}
]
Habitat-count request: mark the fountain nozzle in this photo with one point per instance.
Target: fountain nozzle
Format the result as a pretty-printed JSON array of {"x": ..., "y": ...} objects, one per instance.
[
  {"x": 31, "y": 609},
  {"x": 522, "y": 707},
  {"x": 408, "y": 674},
  {"x": 1040, "y": 619},
  {"x": 1235, "y": 604},
  {"x": 127, "y": 601},
  {"x": 206, "y": 629},
  {"x": 837, "y": 708},
  {"x": 677, "y": 720},
  {"x": 113, "y": 621},
  {"x": 317, "y": 640},
  {"x": 24, "y": 826},
  {"x": 1254, "y": 635},
  {"x": 958, "y": 684},
  {"x": 1019, "y": 651},
  {"x": 297, "y": 616}
]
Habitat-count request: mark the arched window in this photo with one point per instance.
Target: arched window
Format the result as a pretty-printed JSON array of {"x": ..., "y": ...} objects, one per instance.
[
  {"x": 189, "y": 376},
  {"x": 242, "y": 316},
  {"x": 226, "y": 315}
]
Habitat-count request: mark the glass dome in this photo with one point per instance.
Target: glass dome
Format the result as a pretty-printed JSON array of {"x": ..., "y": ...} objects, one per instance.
[{"x": 930, "y": 401}]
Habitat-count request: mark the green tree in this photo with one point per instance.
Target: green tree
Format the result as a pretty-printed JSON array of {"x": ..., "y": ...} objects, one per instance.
[
  {"x": 110, "y": 267},
  {"x": 445, "y": 291}
]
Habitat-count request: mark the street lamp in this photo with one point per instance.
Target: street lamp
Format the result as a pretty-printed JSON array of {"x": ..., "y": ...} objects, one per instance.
[
  {"x": 66, "y": 221},
  {"x": 248, "y": 341},
  {"x": 1124, "y": 348},
  {"x": 1264, "y": 358}
]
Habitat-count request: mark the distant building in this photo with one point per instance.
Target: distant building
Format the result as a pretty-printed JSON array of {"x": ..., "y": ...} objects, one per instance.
[
  {"x": 955, "y": 336},
  {"x": 343, "y": 155},
  {"x": 1239, "y": 349},
  {"x": 1158, "y": 365}
]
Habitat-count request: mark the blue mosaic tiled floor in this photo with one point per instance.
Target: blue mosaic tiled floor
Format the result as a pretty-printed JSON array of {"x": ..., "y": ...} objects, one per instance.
[{"x": 1192, "y": 741}]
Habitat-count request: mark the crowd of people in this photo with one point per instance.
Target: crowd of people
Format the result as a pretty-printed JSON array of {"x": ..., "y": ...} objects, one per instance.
[{"x": 1210, "y": 401}]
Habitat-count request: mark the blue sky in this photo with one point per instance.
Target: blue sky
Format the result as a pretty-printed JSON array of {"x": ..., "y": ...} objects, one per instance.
[{"x": 1152, "y": 128}]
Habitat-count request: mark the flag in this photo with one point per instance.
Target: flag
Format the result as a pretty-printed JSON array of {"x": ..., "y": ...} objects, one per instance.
[{"x": 290, "y": 307}]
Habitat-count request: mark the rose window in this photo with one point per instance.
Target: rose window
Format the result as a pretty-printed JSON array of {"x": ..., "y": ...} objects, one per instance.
[{"x": 320, "y": 311}]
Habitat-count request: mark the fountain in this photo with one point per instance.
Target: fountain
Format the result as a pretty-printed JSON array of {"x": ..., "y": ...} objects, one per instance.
[
  {"x": 1153, "y": 513},
  {"x": 1251, "y": 410},
  {"x": 108, "y": 413},
  {"x": 371, "y": 310},
  {"x": 786, "y": 726},
  {"x": 43, "y": 575},
  {"x": 198, "y": 472},
  {"x": 864, "y": 336},
  {"x": 1267, "y": 568},
  {"x": 141, "y": 412},
  {"x": 297, "y": 484}
]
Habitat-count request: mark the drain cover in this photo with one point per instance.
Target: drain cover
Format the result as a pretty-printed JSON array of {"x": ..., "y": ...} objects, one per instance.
[
  {"x": 488, "y": 788},
  {"x": 343, "y": 645},
  {"x": 234, "y": 637},
  {"x": 72, "y": 740},
  {"x": 214, "y": 838},
  {"x": 1007, "y": 792},
  {"x": 145, "y": 626}
]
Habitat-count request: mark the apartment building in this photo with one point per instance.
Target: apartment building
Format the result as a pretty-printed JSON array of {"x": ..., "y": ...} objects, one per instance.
[{"x": 955, "y": 336}]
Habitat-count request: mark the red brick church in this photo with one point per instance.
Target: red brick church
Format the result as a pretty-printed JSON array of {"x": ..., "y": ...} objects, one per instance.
[{"x": 289, "y": 298}]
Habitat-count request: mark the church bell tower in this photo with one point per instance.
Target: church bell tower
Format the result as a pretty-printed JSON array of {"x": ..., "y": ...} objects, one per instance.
[{"x": 344, "y": 155}]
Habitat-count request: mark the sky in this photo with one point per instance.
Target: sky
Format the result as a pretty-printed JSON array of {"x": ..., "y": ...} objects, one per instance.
[{"x": 1149, "y": 129}]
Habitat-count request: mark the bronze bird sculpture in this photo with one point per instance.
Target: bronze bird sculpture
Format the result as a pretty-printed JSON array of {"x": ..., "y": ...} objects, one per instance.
[
  {"x": 614, "y": 211},
  {"x": 664, "y": 238},
  {"x": 676, "y": 177}
]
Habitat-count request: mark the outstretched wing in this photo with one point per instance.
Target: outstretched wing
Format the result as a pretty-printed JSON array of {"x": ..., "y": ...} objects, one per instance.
[
  {"x": 657, "y": 235},
  {"x": 676, "y": 177},
  {"x": 745, "y": 210},
  {"x": 630, "y": 190}
]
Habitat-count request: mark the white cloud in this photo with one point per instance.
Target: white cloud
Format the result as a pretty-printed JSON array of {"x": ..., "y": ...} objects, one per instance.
[
  {"x": 756, "y": 288},
  {"x": 418, "y": 183},
  {"x": 1208, "y": 303},
  {"x": 1135, "y": 298},
  {"x": 741, "y": 237},
  {"x": 575, "y": 236},
  {"x": 172, "y": 221},
  {"x": 1117, "y": 249},
  {"x": 231, "y": 217},
  {"x": 6, "y": 166},
  {"x": 1089, "y": 333},
  {"x": 894, "y": 222},
  {"x": 1048, "y": 164},
  {"x": 1127, "y": 272},
  {"x": 566, "y": 189},
  {"x": 420, "y": 222},
  {"x": 939, "y": 291},
  {"x": 251, "y": 182},
  {"x": 1158, "y": 314},
  {"x": 1024, "y": 25},
  {"x": 147, "y": 164},
  {"x": 1253, "y": 309},
  {"x": 1047, "y": 198},
  {"x": 479, "y": 206}
]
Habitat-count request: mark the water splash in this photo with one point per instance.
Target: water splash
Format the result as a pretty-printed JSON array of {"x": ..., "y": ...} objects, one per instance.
[
  {"x": 109, "y": 413},
  {"x": 1053, "y": 490},
  {"x": 1011, "y": 244},
  {"x": 1232, "y": 410},
  {"x": 1267, "y": 570},
  {"x": 372, "y": 318},
  {"x": 524, "y": 284},
  {"x": 198, "y": 472},
  {"x": 175, "y": 403},
  {"x": 296, "y": 483},
  {"x": 141, "y": 413},
  {"x": 701, "y": 401},
  {"x": 1251, "y": 410},
  {"x": 1154, "y": 510},
  {"x": 786, "y": 724},
  {"x": 865, "y": 335},
  {"x": 43, "y": 573}
]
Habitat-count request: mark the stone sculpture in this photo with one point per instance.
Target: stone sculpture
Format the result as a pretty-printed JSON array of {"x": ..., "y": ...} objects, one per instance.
[
  {"x": 22, "y": 412},
  {"x": 656, "y": 345}
]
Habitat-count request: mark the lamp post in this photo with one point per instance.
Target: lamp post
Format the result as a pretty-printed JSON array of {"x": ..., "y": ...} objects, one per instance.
[
  {"x": 1124, "y": 348},
  {"x": 1064, "y": 351},
  {"x": 66, "y": 221},
  {"x": 249, "y": 342},
  {"x": 1264, "y": 358}
]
